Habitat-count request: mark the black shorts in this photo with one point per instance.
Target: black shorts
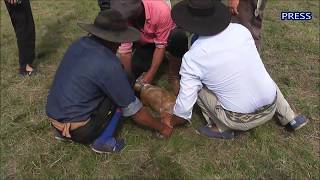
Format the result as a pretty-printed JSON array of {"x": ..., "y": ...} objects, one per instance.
[{"x": 143, "y": 54}]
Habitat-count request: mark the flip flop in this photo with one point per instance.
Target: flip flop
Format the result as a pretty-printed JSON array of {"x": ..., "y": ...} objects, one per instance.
[
  {"x": 110, "y": 145},
  {"x": 207, "y": 131}
]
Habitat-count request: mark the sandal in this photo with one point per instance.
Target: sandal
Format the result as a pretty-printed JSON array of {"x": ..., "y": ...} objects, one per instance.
[{"x": 208, "y": 132}]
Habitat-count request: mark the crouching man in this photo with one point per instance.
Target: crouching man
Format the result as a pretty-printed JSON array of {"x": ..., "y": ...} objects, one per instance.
[
  {"x": 91, "y": 90},
  {"x": 224, "y": 74}
]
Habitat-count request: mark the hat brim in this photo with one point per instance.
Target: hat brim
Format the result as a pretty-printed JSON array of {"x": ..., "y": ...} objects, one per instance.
[
  {"x": 128, "y": 35},
  {"x": 202, "y": 25}
]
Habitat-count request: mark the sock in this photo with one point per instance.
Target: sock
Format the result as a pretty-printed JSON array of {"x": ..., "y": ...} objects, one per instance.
[{"x": 111, "y": 128}]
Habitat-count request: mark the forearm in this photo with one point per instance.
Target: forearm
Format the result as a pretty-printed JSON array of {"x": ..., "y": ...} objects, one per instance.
[
  {"x": 143, "y": 117},
  {"x": 175, "y": 121},
  {"x": 156, "y": 60},
  {"x": 125, "y": 59}
]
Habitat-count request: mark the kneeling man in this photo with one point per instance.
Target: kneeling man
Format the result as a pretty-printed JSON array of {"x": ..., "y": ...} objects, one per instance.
[
  {"x": 224, "y": 74},
  {"x": 91, "y": 90}
]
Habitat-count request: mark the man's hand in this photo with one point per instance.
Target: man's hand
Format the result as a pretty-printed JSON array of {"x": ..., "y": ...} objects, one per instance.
[
  {"x": 233, "y": 5},
  {"x": 166, "y": 131},
  {"x": 143, "y": 117},
  {"x": 147, "y": 77},
  {"x": 156, "y": 61},
  {"x": 166, "y": 118},
  {"x": 12, "y": 2}
]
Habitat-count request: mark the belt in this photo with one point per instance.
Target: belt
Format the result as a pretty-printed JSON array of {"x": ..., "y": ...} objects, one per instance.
[
  {"x": 65, "y": 128},
  {"x": 248, "y": 117}
]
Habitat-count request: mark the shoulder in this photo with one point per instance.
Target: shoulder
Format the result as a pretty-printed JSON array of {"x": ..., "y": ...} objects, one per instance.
[
  {"x": 157, "y": 9},
  {"x": 160, "y": 5},
  {"x": 238, "y": 29}
]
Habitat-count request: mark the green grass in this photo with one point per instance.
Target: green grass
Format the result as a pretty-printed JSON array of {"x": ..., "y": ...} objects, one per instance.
[{"x": 290, "y": 53}]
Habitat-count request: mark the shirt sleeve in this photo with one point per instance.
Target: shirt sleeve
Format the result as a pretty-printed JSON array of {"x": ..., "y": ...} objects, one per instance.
[
  {"x": 125, "y": 48},
  {"x": 114, "y": 83},
  {"x": 132, "y": 109},
  {"x": 190, "y": 84},
  {"x": 163, "y": 31}
]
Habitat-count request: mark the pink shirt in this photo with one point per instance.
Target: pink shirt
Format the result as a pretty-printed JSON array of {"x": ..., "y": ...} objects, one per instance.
[{"x": 157, "y": 27}]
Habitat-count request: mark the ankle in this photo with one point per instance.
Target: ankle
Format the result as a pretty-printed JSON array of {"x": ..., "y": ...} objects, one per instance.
[{"x": 29, "y": 67}]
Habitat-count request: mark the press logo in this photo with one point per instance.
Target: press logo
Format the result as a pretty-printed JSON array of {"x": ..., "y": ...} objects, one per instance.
[{"x": 296, "y": 16}]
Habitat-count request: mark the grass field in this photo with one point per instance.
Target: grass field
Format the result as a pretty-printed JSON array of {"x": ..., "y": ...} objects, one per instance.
[{"x": 28, "y": 150}]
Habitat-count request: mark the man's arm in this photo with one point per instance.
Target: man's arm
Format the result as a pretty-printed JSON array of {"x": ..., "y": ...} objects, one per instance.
[
  {"x": 233, "y": 5},
  {"x": 156, "y": 61},
  {"x": 125, "y": 59},
  {"x": 125, "y": 52},
  {"x": 143, "y": 117},
  {"x": 172, "y": 120}
]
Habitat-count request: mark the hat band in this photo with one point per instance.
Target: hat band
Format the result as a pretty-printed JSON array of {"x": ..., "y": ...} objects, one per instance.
[{"x": 201, "y": 12}]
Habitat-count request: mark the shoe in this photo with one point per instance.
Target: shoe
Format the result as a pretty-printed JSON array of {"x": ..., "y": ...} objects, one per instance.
[
  {"x": 207, "y": 131},
  {"x": 298, "y": 122},
  {"x": 57, "y": 135},
  {"x": 110, "y": 145}
]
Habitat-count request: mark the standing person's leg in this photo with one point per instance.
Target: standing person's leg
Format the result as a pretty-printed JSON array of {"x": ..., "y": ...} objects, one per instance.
[
  {"x": 23, "y": 24},
  {"x": 286, "y": 115},
  {"x": 251, "y": 17}
]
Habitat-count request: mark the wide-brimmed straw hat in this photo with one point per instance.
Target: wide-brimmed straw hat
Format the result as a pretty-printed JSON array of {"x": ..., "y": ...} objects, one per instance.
[
  {"x": 111, "y": 26},
  {"x": 202, "y": 17}
]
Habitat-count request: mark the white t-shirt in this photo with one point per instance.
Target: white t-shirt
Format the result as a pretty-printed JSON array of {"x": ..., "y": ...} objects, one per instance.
[{"x": 230, "y": 66}]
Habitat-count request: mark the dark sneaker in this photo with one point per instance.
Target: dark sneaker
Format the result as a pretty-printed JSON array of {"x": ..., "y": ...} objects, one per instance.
[
  {"x": 208, "y": 132},
  {"x": 110, "y": 145},
  {"x": 58, "y": 136},
  {"x": 298, "y": 122}
]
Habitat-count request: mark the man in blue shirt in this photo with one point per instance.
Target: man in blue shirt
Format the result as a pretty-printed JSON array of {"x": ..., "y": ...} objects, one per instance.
[{"x": 90, "y": 89}]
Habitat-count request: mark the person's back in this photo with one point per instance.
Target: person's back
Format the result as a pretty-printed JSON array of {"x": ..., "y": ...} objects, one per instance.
[
  {"x": 224, "y": 74},
  {"x": 80, "y": 82},
  {"x": 231, "y": 68}
]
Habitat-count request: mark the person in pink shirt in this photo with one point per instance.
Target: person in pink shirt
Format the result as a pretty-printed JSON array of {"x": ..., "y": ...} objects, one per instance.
[{"x": 158, "y": 34}]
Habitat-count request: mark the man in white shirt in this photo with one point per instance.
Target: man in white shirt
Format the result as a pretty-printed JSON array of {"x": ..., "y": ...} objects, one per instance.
[{"x": 224, "y": 74}]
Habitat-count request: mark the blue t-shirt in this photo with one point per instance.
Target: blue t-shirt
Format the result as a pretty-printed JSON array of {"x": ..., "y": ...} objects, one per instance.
[{"x": 87, "y": 74}]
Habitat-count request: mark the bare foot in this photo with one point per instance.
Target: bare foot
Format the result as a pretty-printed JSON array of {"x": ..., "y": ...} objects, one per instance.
[{"x": 29, "y": 68}]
